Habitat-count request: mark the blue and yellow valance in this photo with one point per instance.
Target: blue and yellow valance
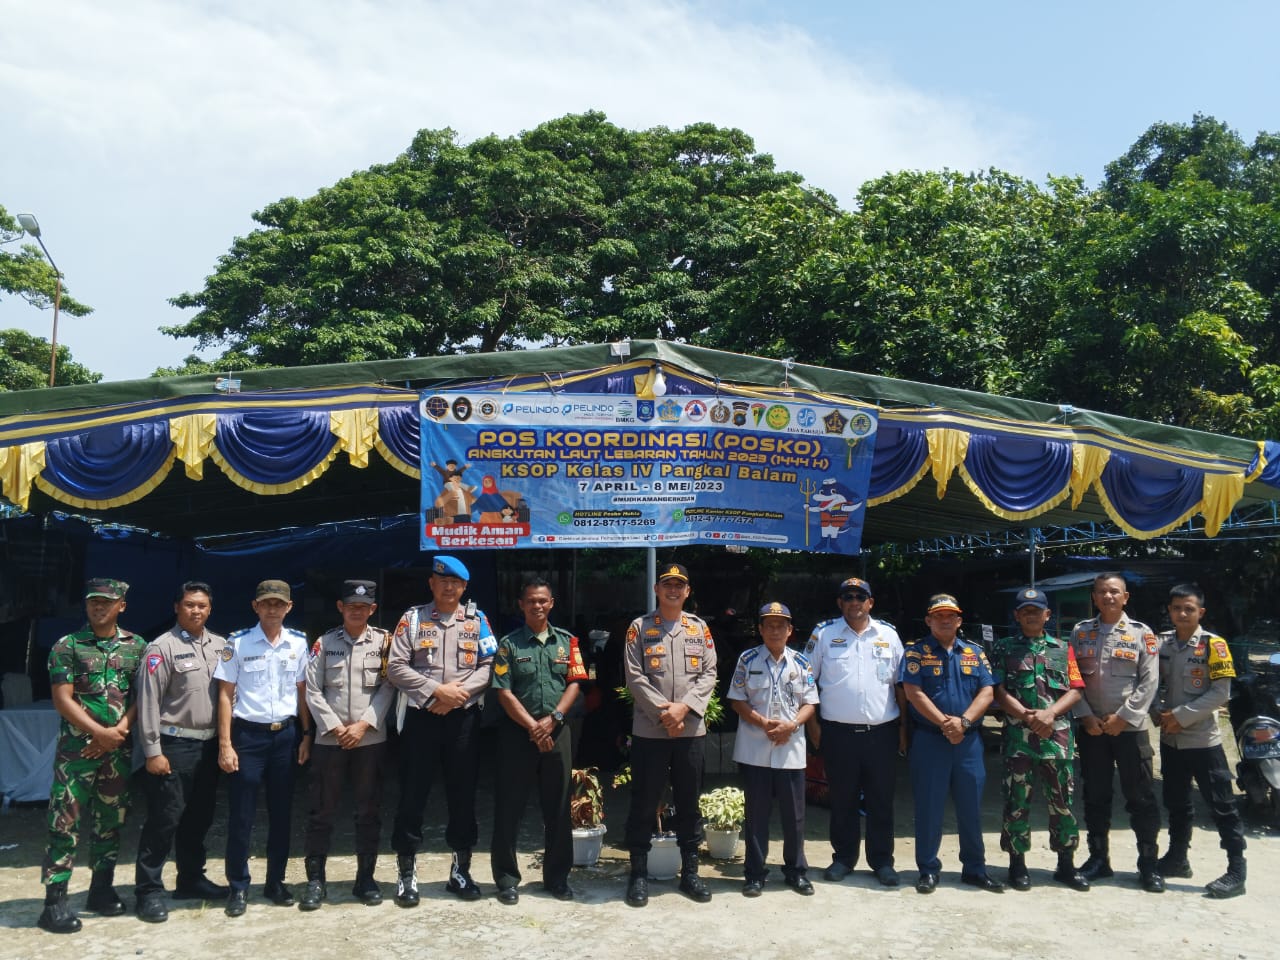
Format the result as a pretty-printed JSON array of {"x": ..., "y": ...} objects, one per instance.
[{"x": 277, "y": 443}]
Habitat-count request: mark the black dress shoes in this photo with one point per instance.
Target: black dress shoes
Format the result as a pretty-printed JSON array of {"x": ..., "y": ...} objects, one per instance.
[
  {"x": 887, "y": 876},
  {"x": 236, "y": 902},
  {"x": 983, "y": 881},
  {"x": 561, "y": 892},
  {"x": 278, "y": 893},
  {"x": 800, "y": 885},
  {"x": 509, "y": 896},
  {"x": 201, "y": 889},
  {"x": 151, "y": 909},
  {"x": 753, "y": 888},
  {"x": 836, "y": 872},
  {"x": 927, "y": 883}
]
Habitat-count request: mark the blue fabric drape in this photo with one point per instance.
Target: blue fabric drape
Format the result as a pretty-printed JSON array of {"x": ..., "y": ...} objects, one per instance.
[
  {"x": 107, "y": 462},
  {"x": 1150, "y": 493},
  {"x": 398, "y": 426},
  {"x": 1271, "y": 472},
  {"x": 274, "y": 446},
  {"x": 900, "y": 453},
  {"x": 1018, "y": 474}
]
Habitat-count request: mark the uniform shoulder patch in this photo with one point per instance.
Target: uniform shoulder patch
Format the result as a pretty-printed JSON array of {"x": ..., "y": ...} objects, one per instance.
[{"x": 1220, "y": 662}]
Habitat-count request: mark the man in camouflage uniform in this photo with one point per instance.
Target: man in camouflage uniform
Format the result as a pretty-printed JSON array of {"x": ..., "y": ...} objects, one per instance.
[
  {"x": 1037, "y": 684},
  {"x": 92, "y": 674},
  {"x": 1195, "y": 681}
]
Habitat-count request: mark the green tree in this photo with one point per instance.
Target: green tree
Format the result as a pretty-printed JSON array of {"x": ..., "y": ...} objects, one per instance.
[
  {"x": 24, "y": 363},
  {"x": 575, "y": 231}
]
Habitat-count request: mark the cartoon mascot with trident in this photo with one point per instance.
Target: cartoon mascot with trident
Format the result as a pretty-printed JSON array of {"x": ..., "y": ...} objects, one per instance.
[{"x": 834, "y": 503}]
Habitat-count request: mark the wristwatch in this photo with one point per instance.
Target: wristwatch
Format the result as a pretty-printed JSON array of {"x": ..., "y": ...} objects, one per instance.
[
  {"x": 558, "y": 717},
  {"x": 965, "y": 723}
]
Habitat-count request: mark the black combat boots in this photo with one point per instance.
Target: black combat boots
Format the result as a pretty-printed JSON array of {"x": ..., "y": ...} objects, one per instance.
[
  {"x": 1174, "y": 863},
  {"x": 1067, "y": 872},
  {"x": 57, "y": 916},
  {"x": 407, "y": 884},
  {"x": 366, "y": 889},
  {"x": 103, "y": 899},
  {"x": 1019, "y": 878},
  {"x": 692, "y": 885},
  {"x": 1098, "y": 866},
  {"x": 1231, "y": 883},
  {"x": 638, "y": 882},
  {"x": 460, "y": 883},
  {"x": 1149, "y": 869}
]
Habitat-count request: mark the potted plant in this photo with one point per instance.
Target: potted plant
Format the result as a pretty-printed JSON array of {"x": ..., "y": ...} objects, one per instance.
[
  {"x": 723, "y": 812},
  {"x": 586, "y": 810}
]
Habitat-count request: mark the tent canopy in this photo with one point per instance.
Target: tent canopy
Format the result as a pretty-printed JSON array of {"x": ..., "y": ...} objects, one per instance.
[{"x": 298, "y": 447}]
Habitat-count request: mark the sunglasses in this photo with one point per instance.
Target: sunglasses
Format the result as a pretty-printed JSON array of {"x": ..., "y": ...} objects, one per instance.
[{"x": 860, "y": 597}]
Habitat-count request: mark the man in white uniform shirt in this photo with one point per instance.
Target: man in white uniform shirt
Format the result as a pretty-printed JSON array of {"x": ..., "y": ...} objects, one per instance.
[
  {"x": 773, "y": 694},
  {"x": 855, "y": 661}
]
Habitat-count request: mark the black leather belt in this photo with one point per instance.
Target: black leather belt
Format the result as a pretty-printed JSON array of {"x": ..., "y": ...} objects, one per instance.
[
  {"x": 864, "y": 727},
  {"x": 284, "y": 724}
]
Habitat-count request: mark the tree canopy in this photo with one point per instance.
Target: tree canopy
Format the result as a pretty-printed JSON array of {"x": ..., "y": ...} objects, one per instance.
[
  {"x": 1153, "y": 295},
  {"x": 26, "y": 273}
]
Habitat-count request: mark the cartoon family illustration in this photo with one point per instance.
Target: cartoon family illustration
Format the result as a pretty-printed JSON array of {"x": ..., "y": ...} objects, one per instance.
[{"x": 459, "y": 501}]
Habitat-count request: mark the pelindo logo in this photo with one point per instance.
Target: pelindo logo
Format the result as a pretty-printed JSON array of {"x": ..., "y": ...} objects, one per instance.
[{"x": 529, "y": 408}]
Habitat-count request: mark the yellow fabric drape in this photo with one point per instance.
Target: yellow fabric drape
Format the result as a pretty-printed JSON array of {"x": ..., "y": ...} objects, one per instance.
[
  {"x": 357, "y": 431},
  {"x": 1087, "y": 462},
  {"x": 192, "y": 438},
  {"x": 947, "y": 449},
  {"x": 19, "y": 467},
  {"x": 1221, "y": 493}
]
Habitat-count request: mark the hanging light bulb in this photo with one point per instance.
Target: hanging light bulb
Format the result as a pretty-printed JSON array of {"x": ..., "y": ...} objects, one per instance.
[{"x": 659, "y": 382}]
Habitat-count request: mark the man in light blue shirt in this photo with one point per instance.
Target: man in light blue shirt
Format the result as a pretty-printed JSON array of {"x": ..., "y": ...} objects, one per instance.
[{"x": 263, "y": 671}]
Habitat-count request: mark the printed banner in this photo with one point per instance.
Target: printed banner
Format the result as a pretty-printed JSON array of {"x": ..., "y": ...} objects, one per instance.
[{"x": 598, "y": 470}]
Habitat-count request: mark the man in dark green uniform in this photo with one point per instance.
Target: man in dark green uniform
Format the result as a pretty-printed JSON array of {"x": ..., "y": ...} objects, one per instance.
[
  {"x": 536, "y": 672},
  {"x": 92, "y": 673},
  {"x": 1037, "y": 684}
]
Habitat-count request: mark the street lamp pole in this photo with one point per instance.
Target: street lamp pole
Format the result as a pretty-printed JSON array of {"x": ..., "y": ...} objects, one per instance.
[{"x": 31, "y": 225}]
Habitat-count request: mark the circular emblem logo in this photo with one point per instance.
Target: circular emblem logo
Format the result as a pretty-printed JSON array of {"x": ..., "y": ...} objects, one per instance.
[
  {"x": 860, "y": 424},
  {"x": 436, "y": 407},
  {"x": 777, "y": 416},
  {"x": 721, "y": 412},
  {"x": 462, "y": 409},
  {"x": 806, "y": 417},
  {"x": 487, "y": 408}
]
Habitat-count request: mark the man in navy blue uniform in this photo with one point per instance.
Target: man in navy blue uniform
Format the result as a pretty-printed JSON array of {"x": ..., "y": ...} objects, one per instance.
[{"x": 949, "y": 686}]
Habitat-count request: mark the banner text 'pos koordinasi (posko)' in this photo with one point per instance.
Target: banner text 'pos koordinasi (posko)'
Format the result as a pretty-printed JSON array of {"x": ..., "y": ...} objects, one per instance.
[{"x": 597, "y": 470}]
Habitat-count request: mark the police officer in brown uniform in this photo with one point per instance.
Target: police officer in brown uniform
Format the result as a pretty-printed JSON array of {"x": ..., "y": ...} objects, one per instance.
[
  {"x": 349, "y": 700},
  {"x": 441, "y": 655},
  {"x": 178, "y": 730},
  {"x": 1195, "y": 681},
  {"x": 670, "y": 666},
  {"x": 1119, "y": 663}
]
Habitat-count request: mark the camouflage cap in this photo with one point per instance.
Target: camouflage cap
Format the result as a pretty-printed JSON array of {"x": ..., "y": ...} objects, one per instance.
[
  {"x": 102, "y": 587},
  {"x": 273, "y": 590}
]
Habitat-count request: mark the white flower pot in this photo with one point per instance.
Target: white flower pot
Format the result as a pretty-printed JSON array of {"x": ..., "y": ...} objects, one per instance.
[
  {"x": 587, "y": 843},
  {"x": 722, "y": 844},
  {"x": 664, "y": 858}
]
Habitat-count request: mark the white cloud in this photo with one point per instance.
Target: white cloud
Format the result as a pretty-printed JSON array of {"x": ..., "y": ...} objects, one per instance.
[{"x": 144, "y": 133}]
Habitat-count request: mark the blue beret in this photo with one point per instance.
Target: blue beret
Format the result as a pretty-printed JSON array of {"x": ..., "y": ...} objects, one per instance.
[{"x": 444, "y": 566}]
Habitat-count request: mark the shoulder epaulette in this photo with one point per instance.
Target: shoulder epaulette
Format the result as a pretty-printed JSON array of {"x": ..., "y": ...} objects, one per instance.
[
  {"x": 237, "y": 634},
  {"x": 800, "y": 658}
]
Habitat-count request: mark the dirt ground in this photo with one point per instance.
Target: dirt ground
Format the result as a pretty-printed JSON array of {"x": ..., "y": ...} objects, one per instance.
[{"x": 1114, "y": 920}]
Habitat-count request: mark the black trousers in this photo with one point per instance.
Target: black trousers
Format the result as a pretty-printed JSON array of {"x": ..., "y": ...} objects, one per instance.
[
  {"x": 1130, "y": 755},
  {"x": 1208, "y": 766},
  {"x": 331, "y": 768},
  {"x": 761, "y": 785},
  {"x": 521, "y": 766},
  {"x": 266, "y": 760},
  {"x": 861, "y": 765},
  {"x": 449, "y": 743},
  {"x": 179, "y": 813},
  {"x": 653, "y": 762}
]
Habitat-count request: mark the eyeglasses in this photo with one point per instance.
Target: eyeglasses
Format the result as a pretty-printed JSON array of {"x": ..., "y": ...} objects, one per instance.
[{"x": 860, "y": 597}]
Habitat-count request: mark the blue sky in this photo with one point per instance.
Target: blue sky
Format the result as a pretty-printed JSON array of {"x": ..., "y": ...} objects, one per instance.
[{"x": 144, "y": 133}]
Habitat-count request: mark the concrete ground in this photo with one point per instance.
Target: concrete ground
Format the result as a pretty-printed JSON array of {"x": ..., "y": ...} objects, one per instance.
[{"x": 1114, "y": 920}]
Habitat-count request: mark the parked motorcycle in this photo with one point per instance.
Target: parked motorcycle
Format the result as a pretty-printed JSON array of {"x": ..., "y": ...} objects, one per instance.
[{"x": 1255, "y": 716}]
